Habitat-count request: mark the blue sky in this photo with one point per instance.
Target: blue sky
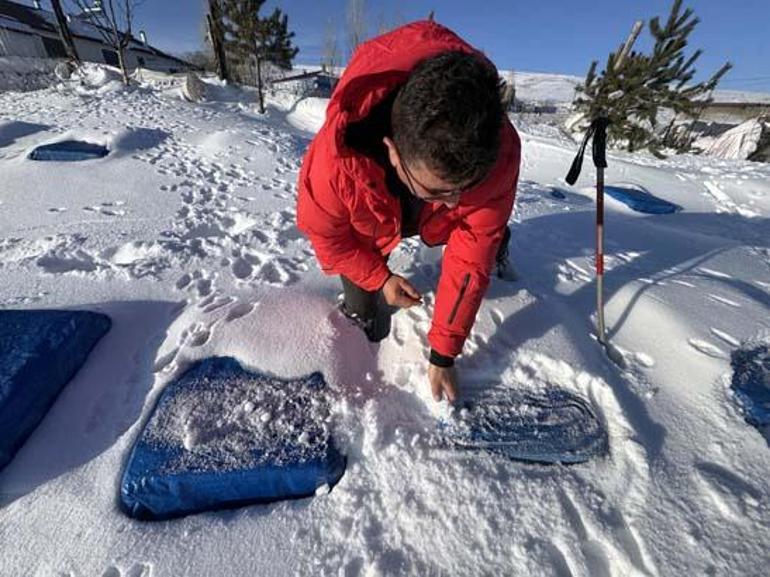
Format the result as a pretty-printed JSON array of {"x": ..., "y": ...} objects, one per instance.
[{"x": 559, "y": 36}]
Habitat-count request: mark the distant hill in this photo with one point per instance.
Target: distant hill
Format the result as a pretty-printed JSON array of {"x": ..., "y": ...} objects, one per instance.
[{"x": 561, "y": 87}]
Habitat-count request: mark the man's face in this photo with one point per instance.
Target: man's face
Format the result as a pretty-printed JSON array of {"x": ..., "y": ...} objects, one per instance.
[{"x": 421, "y": 181}]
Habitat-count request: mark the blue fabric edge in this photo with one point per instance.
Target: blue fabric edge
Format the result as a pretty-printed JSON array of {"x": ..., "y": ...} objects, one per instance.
[{"x": 102, "y": 324}]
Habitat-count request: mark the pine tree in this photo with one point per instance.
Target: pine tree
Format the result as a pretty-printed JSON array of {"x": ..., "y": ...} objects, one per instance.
[
  {"x": 274, "y": 41},
  {"x": 649, "y": 89},
  {"x": 253, "y": 41},
  {"x": 240, "y": 19}
]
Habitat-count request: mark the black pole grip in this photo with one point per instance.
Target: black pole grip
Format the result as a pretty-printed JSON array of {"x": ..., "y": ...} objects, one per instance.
[
  {"x": 599, "y": 147},
  {"x": 577, "y": 163}
]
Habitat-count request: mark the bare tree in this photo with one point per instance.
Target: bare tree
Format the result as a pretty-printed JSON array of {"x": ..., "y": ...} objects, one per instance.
[
  {"x": 356, "y": 20},
  {"x": 330, "y": 58},
  {"x": 113, "y": 20}
]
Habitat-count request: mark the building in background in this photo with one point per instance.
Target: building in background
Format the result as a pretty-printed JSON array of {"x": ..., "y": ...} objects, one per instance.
[{"x": 32, "y": 32}]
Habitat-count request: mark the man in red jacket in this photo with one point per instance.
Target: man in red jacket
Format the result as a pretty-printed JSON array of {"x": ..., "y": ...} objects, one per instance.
[{"x": 415, "y": 142}]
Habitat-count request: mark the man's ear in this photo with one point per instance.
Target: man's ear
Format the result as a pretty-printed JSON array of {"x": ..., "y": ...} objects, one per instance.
[{"x": 395, "y": 160}]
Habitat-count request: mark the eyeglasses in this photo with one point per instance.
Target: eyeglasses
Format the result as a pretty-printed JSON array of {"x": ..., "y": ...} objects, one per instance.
[{"x": 433, "y": 194}]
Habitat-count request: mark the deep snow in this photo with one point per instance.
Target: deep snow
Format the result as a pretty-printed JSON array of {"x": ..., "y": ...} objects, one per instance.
[{"x": 185, "y": 235}]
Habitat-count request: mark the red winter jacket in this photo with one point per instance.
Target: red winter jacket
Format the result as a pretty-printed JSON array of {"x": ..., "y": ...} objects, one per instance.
[{"x": 351, "y": 218}]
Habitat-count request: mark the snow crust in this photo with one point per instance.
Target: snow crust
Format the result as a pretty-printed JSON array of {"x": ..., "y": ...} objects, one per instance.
[{"x": 186, "y": 236}]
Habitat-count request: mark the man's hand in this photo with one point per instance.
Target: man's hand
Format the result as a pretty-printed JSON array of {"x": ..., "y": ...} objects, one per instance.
[
  {"x": 443, "y": 381},
  {"x": 399, "y": 292}
]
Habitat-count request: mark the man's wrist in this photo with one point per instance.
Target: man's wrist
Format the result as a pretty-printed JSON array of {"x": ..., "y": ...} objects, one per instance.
[
  {"x": 387, "y": 278},
  {"x": 440, "y": 360}
]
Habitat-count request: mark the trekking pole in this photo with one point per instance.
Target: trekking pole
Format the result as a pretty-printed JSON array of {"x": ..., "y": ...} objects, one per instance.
[{"x": 598, "y": 130}]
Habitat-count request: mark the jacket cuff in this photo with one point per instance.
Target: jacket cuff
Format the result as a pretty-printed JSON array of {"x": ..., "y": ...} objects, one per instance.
[
  {"x": 440, "y": 360},
  {"x": 387, "y": 278},
  {"x": 375, "y": 280}
]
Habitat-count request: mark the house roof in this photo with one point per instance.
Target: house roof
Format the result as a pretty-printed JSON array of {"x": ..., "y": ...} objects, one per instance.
[{"x": 23, "y": 18}]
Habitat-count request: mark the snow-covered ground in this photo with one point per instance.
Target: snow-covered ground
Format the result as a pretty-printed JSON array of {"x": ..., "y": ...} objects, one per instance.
[{"x": 185, "y": 235}]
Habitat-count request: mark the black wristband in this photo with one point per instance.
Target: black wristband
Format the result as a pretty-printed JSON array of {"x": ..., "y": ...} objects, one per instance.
[{"x": 440, "y": 360}]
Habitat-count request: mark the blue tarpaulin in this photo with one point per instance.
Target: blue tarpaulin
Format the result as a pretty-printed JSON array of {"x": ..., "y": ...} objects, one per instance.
[
  {"x": 641, "y": 201},
  {"x": 221, "y": 437},
  {"x": 551, "y": 427},
  {"x": 69, "y": 151},
  {"x": 40, "y": 351},
  {"x": 751, "y": 383}
]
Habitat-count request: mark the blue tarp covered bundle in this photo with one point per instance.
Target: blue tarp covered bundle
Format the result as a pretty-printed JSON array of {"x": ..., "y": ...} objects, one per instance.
[
  {"x": 221, "y": 436},
  {"x": 751, "y": 383},
  {"x": 551, "y": 427},
  {"x": 641, "y": 201},
  {"x": 68, "y": 151},
  {"x": 40, "y": 351}
]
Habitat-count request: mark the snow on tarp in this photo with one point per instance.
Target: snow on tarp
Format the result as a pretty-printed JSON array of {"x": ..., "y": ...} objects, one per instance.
[
  {"x": 640, "y": 200},
  {"x": 69, "y": 151},
  {"x": 747, "y": 141},
  {"x": 751, "y": 383},
  {"x": 554, "y": 426},
  {"x": 221, "y": 436},
  {"x": 40, "y": 351}
]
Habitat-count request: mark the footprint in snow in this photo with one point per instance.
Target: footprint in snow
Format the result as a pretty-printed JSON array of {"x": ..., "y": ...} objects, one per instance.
[
  {"x": 165, "y": 363},
  {"x": 622, "y": 555},
  {"x": 726, "y": 337},
  {"x": 734, "y": 498},
  {"x": 497, "y": 317},
  {"x": 707, "y": 348},
  {"x": 183, "y": 281},
  {"x": 644, "y": 360},
  {"x": 196, "y": 335},
  {"x": 683, "y": 283},
  {"x": 242, "y": 269},
  {"x": 138, "y": 570},
  {"x": 398, "y": 334},
  {"x": 713, "y": 273},
  {"x": 217, "y": 303},
  {"x": 724, "y": 301},
  {"x": 239, "y": 310}
]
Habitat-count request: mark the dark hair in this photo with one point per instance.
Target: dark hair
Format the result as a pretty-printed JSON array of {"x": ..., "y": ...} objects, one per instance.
[{"x": 448, "y": 116}]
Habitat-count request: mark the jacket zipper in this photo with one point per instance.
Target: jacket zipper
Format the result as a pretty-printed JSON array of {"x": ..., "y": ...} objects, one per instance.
[{"x": 463, "y": 288}]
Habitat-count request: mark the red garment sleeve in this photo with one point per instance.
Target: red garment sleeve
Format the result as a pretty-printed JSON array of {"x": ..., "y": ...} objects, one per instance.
[
  {"x": 325, "y": 218},
  {"x": 465, "y": 268}
]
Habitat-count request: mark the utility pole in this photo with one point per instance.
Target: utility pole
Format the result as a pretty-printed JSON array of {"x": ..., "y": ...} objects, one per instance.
[{"x": 64, "y": 32}]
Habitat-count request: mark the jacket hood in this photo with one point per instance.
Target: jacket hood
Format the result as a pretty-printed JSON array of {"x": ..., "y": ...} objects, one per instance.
[{"x": 380, "y": 65}]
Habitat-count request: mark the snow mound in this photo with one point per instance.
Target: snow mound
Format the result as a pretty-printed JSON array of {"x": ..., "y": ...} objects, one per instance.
[{"x": 308, "y": 114}]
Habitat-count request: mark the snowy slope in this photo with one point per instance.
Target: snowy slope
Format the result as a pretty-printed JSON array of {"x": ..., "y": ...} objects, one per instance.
[
  {"x": 560, "y": 88},
  {"x": 185, "y": 235}
]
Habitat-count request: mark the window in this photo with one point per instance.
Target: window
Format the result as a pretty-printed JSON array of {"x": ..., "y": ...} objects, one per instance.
[
  {"x": 140, "y": 60},
  {"x": 110, "y": 57},
  {"x": 54, "y": 47}
]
